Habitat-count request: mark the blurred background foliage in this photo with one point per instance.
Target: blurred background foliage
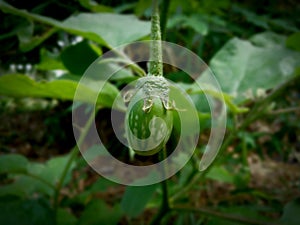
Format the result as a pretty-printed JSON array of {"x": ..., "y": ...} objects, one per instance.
[{"x": 252, "y": 47}]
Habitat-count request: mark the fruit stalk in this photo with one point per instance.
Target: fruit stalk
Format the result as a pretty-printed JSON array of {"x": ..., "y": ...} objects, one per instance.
[{"x": 156, "y": 67}]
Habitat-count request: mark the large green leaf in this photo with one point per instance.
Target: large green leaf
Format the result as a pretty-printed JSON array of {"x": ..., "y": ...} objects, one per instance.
[
  {"x": 247, "y": 68},
  {"x": 135, "y": 199},
  {"x": 17, "y": 85},
  {"x": 108, "y": 29},
  {"x": 25, "y": 212},
  {"x": 77, "y": 58},
  {"x": 194, "y": 21},
  {"x": 291, "y": 213},
  {"x": 101, "y": 185},
  {"x": 64, "y": 217},
  {"x": 94, "y": 7},
  {"x": 293, "y": 41},
  {"x": 53, "y": 169},
  {"x": 98, "y": 212},
  {"x": 27, "y": 40},
  {"x": 13, "y": 163},
  {"x": 30, "y": 177},
  {"x": 251, "y": 17},
  {"x": 221, "y": 174},
  {"x": 49, "y": 61},
  {"x": 26, "y": 185}
]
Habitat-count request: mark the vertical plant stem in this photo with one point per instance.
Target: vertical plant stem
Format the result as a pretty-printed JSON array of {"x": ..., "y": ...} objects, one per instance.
[
  {"x": 72, "y": 157},
  {"x": 165, "y": 192},
  {"x": 165, "y": 206},
  {"x": 156, "y": 67}
]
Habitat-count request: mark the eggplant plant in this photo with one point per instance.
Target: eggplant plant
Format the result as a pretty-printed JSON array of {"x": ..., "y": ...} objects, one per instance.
[{"x": 254, "y": 70}]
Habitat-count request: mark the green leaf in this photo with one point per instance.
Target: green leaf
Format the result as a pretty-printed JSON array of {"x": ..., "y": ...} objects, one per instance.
[
  {"x": 219, "y": 173},
  {"x": 108, "y": 29},
  {"x": 110, "y": 69},
  {"x": 268, "y": 40},
  {"x": 98, "y": 212},
  {"x": 198, "y": 95},
  {"x": 185, "y": 175},
  {"x": 64, "y": 217},
  {"x": 251, "y": 17},
  {"x": 285, "y": 25},
  {"x": 101, "y": 185},
  {"x": 197, "y": 24},
  {"x": 17, "y": 85},
  {"x": 25, "y": 212},
  {"x": 38, "y": 177},
  {"x": 27, "y": 41},
  {"x": 245, "y": 69},
  {"x": 217, "y": 95},
  {"x": 194, "y": 21},
  {"x": 94, "y": 7},
  {"x": 141, "y": 6},
  {"x": 54, "y": 168},
  {"x": 293, "y": 41},
  {"x": 13, "y": 163},
  {"x": 25, "y": 186},
  {"x": 291, "y": 213},
  {"x": 25, "y": 33},
  {"x": 135, "y": 199},
  {"x": 77, "y": 58},
  {"x": 49, "y": 61},
  {"x": 15, "y": 189}
]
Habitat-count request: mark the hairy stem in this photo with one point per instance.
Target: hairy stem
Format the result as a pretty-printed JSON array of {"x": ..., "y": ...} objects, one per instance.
[{"x": 156, "y": 67}]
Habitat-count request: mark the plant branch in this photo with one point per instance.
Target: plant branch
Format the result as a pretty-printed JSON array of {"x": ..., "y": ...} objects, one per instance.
[
  {"x": 72, "y": 157},
  {"x": 226, "y": 216},
  {"x": 165, "y": 193},
  {"x": 165, "y": 206},
  {"x": 24, "y": 13}
]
